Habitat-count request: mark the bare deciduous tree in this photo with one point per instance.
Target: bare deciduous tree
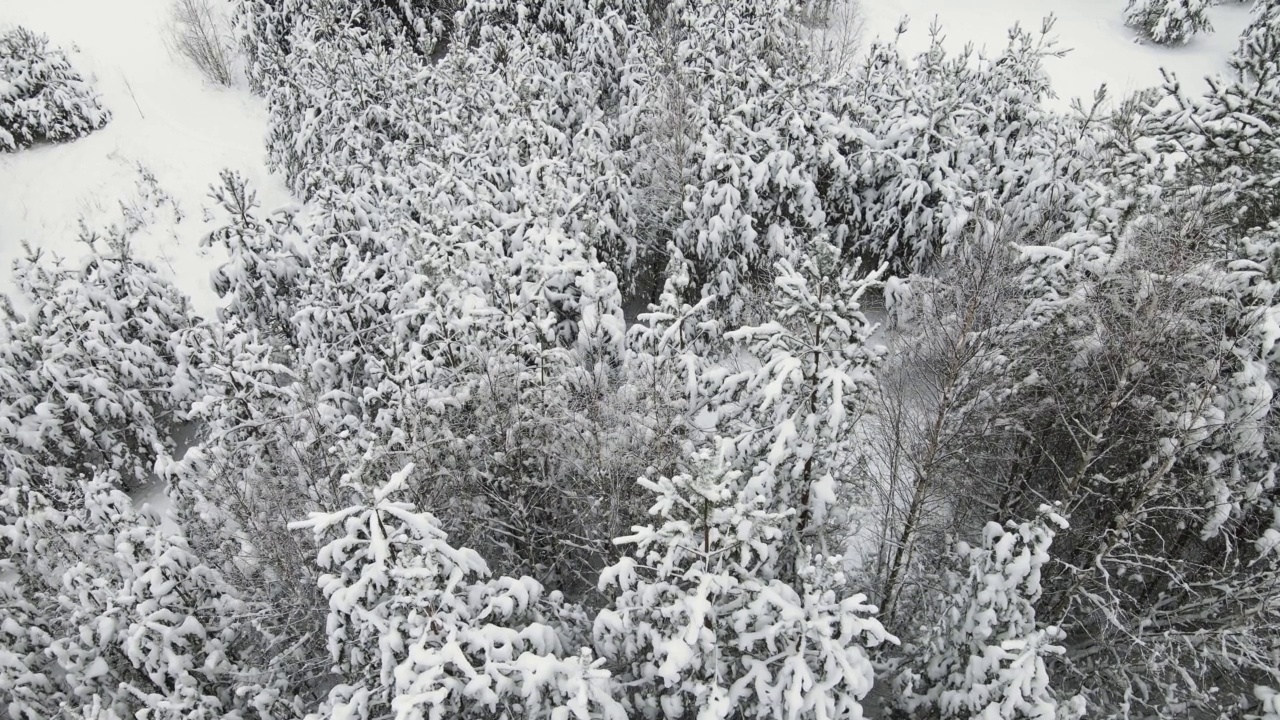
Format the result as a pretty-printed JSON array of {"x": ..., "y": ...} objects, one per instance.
[
  {"x": 837, "y": 29},
  {"x": 931, "y": 433},
  {"x": 199, "y": 31}
]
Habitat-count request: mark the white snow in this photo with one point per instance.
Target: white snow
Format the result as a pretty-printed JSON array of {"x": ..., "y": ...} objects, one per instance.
[
  {"x": 165, "y": 116},
  {"x": 1103, "y": 49}
]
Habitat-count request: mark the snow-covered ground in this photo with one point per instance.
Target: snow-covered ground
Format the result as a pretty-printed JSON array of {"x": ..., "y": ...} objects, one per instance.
[
  {"x": 165, "y": 116},
  {"x": 1103, "y": 50}
]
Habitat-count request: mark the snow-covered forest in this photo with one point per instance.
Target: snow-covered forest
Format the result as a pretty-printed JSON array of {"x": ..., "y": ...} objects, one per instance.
[{"x": 646, "y": 360}]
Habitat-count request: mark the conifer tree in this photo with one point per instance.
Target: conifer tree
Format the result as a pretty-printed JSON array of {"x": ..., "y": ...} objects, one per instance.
[
  {"x": 1228, "y": 135},
  {"x": 986, "y": 657},
  {"x": 43, "y": 98},
  {"x": 788, "y": 419},
  {"x": 704, "y": 622},
  {"x": 114, "y": 613},
  {"x": 94, "y": 380},
  {"x": 417, "y": 629},
  {"x": 1168, "y": 22}
]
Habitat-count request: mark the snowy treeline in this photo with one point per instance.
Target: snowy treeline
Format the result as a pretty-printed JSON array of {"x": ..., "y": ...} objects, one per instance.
[{"x": 429, "y": 462}]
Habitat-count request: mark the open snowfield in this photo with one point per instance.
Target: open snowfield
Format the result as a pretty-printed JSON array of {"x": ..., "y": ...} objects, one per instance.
[
  {"x": 1103, "y": 50},
  {"x": 165, "y": 116}
]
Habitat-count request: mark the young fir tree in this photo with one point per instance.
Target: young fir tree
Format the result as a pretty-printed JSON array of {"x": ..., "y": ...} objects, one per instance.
[
  {"x": 260, "y": 283},
  {"x": 1225, "y": 143},
  {"x": 739, "y": 146},
  {"x": 986, "y": 657},
  {"x": 704, "y": 624},
  {"x": 116, "y": 614},
  {"x": 1168, "y": 22},
  {"x": 787, "y": 419},
  {"x": 146, "y": 628},
  {"x": 992, "y": 147},
  {"x": 418, "y": 630},
  {"x": 43, "y": 98},
  {"x": 671, "y": 345},
  {"x": 29, "y": 679},
  {"x": 94, "y": 382}
]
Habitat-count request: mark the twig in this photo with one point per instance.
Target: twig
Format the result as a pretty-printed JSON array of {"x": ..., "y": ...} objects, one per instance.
[{"x": 135, "y": 97}]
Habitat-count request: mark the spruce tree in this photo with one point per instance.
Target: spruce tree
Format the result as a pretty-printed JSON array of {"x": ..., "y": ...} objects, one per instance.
[
  {"x": 43, "y": 99},
  {"x": 986, "y": 657},
  {"x": 705, "y": 621},
  {"x": 418, "y": 630},
  {"x": 1168, "y": 22}
]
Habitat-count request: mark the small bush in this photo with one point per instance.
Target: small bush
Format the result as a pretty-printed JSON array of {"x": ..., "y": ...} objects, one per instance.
[
  {"x": 1168, "y": 22},
  {"x": 42, "y": 98},
  {"x": 199, "y": 31}
]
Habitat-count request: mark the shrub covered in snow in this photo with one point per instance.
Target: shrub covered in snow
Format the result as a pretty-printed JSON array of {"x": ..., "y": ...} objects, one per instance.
[
  {"x": 985, "y": 657},
  {"x": 42, "y": 98},
  {"x": 1226, "y": 141},
  {"x": 1168, "y": 22},
  {"x": 704, "y": 621}
]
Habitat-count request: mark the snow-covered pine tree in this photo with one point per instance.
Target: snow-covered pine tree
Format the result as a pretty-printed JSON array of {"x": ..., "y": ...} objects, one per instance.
[
  {"x": 1168, "y": 22},
  {"x": 146, "y": 628},
  {"x": 741, "y": 147},
  {"x": 992, "y": 149},
  {"x": 29, "y": 679},
  {"x": 593, "y": 60},
  {"x": 113, "y": 612},
  {"x": 337, "y": 79},
  {"x": 271, "y": 30},
  {"x": 670, "y": 345},
  {"x": 264, "y": 274},
  {"x": 1225, "y": 143},
  {"x": 704, "y": 624},
  {"x": 43, "y": 99},
  {"x": 94, "y": 382},
  {"x": 916, "y": 200},
  {"x": 985, "y": 657},
  {"x": 1255, "y": 59},
  {"x": 418, "y": 630},
  {"x": 292, "y": 383},
  {"x": 544, "y": 363},
  {"x": 787, "y": 418}
]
